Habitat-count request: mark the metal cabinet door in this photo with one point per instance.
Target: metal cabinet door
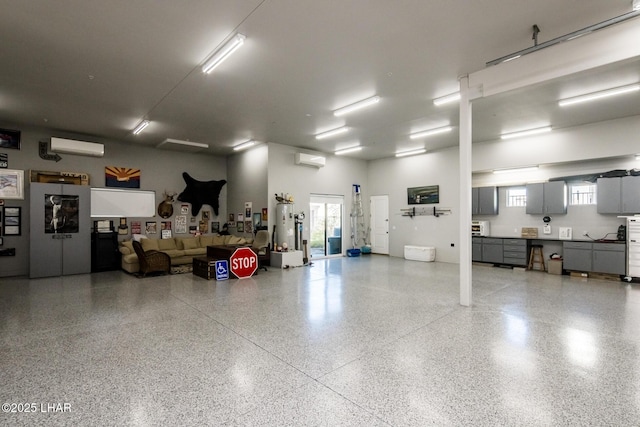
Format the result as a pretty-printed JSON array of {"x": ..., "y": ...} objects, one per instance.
[{"x": 64, "y": 247}]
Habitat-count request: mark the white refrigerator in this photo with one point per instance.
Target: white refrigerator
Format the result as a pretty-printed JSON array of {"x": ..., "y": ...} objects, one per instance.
[{"x": 633, "y": 246}]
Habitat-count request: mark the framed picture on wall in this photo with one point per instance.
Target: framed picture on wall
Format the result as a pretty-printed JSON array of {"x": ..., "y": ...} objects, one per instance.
[
  {"x": 11, "y": 184},
  {"x": 10, "y": 139},
  {"x": 11, "y": 225}
]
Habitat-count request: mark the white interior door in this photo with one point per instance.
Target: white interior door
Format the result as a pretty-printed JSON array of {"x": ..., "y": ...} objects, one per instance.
[{"x": 379, "y": 209}]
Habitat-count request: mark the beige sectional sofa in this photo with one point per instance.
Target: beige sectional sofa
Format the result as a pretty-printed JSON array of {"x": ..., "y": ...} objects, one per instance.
[{"x": 182, "y": 250}]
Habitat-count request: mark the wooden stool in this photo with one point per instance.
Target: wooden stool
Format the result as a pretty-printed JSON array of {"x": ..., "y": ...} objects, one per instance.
[{"x": 536, "y": 257}]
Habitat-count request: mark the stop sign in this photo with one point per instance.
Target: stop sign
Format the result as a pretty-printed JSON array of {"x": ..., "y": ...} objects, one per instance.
[{"x": 244, "y": 262}]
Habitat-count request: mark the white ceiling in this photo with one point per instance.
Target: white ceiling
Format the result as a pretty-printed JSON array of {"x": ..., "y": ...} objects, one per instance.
[{"x": 97, "y": 68}]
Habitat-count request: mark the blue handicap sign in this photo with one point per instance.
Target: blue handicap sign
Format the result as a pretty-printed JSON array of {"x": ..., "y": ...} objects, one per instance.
[{"x": 222, "y": 269}]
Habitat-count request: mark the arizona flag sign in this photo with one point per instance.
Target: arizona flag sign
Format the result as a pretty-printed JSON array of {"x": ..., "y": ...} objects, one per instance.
[{"x": 121, "y": 177}]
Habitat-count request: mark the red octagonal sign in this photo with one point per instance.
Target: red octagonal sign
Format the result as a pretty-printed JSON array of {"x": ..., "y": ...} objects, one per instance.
[{"x": 244, "y": 262}]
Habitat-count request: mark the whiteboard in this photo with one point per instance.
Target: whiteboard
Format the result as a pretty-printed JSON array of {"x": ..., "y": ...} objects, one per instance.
[{"x": 118, "y": 203}]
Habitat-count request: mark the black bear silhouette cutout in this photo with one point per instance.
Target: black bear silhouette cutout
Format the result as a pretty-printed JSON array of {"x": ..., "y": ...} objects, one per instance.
[{"x": 200, "y": 193}]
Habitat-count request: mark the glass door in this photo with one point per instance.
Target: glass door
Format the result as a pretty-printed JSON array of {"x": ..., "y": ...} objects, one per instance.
[{"x": 326, "y": 225}]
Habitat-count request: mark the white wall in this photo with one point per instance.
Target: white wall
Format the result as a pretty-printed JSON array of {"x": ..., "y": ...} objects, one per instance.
[
  {"x": 336, "y": 178},
  {"x": 247, "y": 182},
  {"x": 393, "y": 176}
]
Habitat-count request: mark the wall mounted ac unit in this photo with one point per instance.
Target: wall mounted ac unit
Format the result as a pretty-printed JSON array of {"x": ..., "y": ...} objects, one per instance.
[
  {"x": 310, "y": 160},
  {"x": 81, "y": 148}
]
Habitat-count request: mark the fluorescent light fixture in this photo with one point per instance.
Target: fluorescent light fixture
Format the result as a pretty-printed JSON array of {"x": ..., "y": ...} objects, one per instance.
[
  {"x": 356, "y": 106},
  {"x": 223, "y": 53},
  {"x": 430, "y": 132},
  {"x": 185, "y": 143},
  {"x": 517, "y": 170},
  {"x": 525, "y": 132},
  {"x": 601, "y": 94},
  {"x": 244, "y": 145},
  {"x": 348, "y": 150},
  {"x": 333, "y": 132},
  {"x": 143, "y": 124},
  {"x": 452, "y": 97},
  {"x": 411, "y": 152}
]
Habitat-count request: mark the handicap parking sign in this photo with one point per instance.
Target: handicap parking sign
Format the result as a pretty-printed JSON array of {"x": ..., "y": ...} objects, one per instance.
[{"x": 222, "y": 269}]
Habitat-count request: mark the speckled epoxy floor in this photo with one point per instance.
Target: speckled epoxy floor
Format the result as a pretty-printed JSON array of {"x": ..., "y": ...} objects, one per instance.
[{"x": 368, "y": 341}]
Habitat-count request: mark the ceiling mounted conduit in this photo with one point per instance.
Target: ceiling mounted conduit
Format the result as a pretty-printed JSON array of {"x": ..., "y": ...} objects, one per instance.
[{"x": 567, "y": 37}]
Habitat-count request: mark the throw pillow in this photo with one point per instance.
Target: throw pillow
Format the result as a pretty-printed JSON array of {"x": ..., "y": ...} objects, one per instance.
[{"x": 149, "y": 244}]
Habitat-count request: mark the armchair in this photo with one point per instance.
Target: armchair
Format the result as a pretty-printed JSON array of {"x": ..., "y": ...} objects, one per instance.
[
  {"x": 151, "y": 261},
  {"x": 262, "y": 248}
]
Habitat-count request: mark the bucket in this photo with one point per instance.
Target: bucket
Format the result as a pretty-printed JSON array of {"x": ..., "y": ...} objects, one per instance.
[{"x": 353, "y": 252}]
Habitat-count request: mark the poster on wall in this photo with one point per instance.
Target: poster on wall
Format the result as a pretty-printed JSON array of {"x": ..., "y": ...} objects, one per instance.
[
  {"x": 181, "y": 224},
  {"x": 136, "y": 227},
  {"x": 265, "y": 214},
  {"x": 121, "y": 177},
  {"x": 423, "y": 195},
  {"x": 248, "y": 207},
  {"x": 61, "y": 213},
  {"x": 151, "y": 227},
  {"x": 10, "y": 139}
]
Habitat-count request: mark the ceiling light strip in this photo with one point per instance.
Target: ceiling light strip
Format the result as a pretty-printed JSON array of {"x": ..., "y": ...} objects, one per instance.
[
  {"x": 333, "y": 132},
  {"x": 447, "y": 99},
  {"x": 525, "y": 132},
  {"x": 141, "y": 126},
  {"x": 223, "y": 53},
  {"x": 348, "y": 150},
  {"x": 430, "y": 132},
  {"x": 186, "y": 143},
  {"x": 411, "y": 152},
  {"x": 598, "y": 95},
  {"x": 356, "y": 106},
  {"x": 244, "y": 145},
  {"x": 516, "y": 170}
]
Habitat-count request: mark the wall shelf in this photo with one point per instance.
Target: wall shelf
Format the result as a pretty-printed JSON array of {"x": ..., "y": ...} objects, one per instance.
[{"x": 411, "y": 212}]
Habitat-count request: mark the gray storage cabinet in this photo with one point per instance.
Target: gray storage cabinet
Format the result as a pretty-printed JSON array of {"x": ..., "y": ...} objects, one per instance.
[
  {"x": 608, "y": 258},
  {"x": 620, "y": 195},
  {"x": 515, "y": 252},
  {"x": 630, "y": 194},
  {"x": 547, "y": 198},
  {"x": 609, "y": 192},
  {"x": 476, "y": 249},
  {"x": 484, "y": 201},
  {"x": 577, "y": 256},
  {"x": 492, "y": 250}
]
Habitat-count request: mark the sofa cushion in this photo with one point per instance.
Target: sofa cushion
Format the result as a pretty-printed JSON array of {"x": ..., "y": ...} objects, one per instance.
[
  {"x": 236, "y": 240},
  {"x": 166, "y": 244},
  {"x": 218, "y": 240},
  {"x": 149, "y": 244},
  {"x": 126, "y": 247},
  {"x": 206, "y": 241},
  {"x": 190, "y": 243}
]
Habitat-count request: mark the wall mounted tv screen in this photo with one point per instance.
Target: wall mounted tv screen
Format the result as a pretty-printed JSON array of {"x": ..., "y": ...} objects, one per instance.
[{"x": 423, "y": 195}]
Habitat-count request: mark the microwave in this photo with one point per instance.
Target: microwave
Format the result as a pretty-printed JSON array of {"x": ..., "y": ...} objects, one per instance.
[{"x": 480, "y": 228}]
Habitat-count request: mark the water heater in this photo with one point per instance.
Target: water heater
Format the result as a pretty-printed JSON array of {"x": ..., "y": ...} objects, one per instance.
[{"x": 285, "y": 225}]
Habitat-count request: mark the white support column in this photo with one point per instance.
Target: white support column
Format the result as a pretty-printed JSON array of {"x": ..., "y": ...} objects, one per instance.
[{"x": 465, "y": 193}]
